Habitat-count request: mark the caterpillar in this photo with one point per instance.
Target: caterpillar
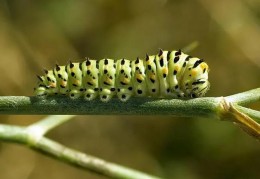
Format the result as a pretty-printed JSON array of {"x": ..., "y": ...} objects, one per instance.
[{"x": 169, "y": 74}]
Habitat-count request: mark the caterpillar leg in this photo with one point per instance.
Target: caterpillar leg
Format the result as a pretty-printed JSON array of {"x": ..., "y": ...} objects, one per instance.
[
  {"x": 124, "y": 95},
  {"x": 74, "y": 94},
  {"x": 90, "y": 94},
  {"x": 106, "y": 95}
]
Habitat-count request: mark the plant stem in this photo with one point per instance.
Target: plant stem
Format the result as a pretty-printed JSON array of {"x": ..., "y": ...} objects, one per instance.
[
  {"x": 201, "y": 107},
  {"x": 73, "y": 157},
  {"x": 246, "y": 97},
  {"x": 48, "y": 123},
  {"x": 250, "y": 112}
]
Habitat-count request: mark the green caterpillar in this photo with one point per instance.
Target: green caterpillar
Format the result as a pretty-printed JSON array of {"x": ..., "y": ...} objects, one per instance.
[{"x": 169, "y": 74}]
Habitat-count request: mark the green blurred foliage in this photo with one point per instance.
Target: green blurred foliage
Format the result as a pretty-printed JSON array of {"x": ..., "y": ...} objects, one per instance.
[{"x": 37, "y": 34}]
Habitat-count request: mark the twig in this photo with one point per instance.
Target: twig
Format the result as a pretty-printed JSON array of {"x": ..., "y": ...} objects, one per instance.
[
  {"x": 245, "y": 122},
  {"x": 38, "y": 129},
  {"x": 204, "y": 107},
  {"x": 51, "y": 148},
  {"x": 246, "y": 97},
  {"x": 190, "y": 47},
  {"x": 250, "y": 112}
]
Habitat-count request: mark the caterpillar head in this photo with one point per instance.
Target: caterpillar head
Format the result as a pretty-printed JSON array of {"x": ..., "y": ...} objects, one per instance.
[
  {"x": 197, "y": 79},
  {"x": 199, "y": 88}
]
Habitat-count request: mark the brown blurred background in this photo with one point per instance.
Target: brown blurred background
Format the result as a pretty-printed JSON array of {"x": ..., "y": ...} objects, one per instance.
[{"x": 37, "y": 34}]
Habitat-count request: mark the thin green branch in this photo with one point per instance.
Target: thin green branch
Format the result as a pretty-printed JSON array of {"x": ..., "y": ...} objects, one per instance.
[
  {"x": 250, "y": 112},
  {"x": 245, "y": 98},
  {"x": 48, "y": 123},
  {"x": 190, "y": 47},
  {"x": 244, "y": 121},
  {"x": 204, "y": 107},
  {"x": 12, "y": 133},
  {"x": 70, "y": 156},
  {"x": 200, "y": 107}
]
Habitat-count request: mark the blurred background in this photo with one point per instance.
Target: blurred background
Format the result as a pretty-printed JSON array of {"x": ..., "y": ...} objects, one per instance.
[{"x": 37, "y": 34}]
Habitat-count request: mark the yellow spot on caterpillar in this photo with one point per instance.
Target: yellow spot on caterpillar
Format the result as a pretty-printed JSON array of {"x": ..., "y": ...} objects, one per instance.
[
  {"x": 193, "y": 72},
  {"x": 76, "y": 82},
  {"x": 152, "y": 76},
  {"x": 52, "y": 85},
  {"x": 126, "y": 80},
  {"x": 139, "y": 77},
  {"x": 204, "y": 65},
  {"x": 108, "y": 80},
  {"x": 91, "y": 81},
  {"x": 64, "y": 83},
  {"x": 165, "y": 70},
  {"x": 177, "y": 68}
]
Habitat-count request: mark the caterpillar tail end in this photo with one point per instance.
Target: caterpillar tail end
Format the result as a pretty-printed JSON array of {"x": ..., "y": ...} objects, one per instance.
[{"x": 40, "y": 91}]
